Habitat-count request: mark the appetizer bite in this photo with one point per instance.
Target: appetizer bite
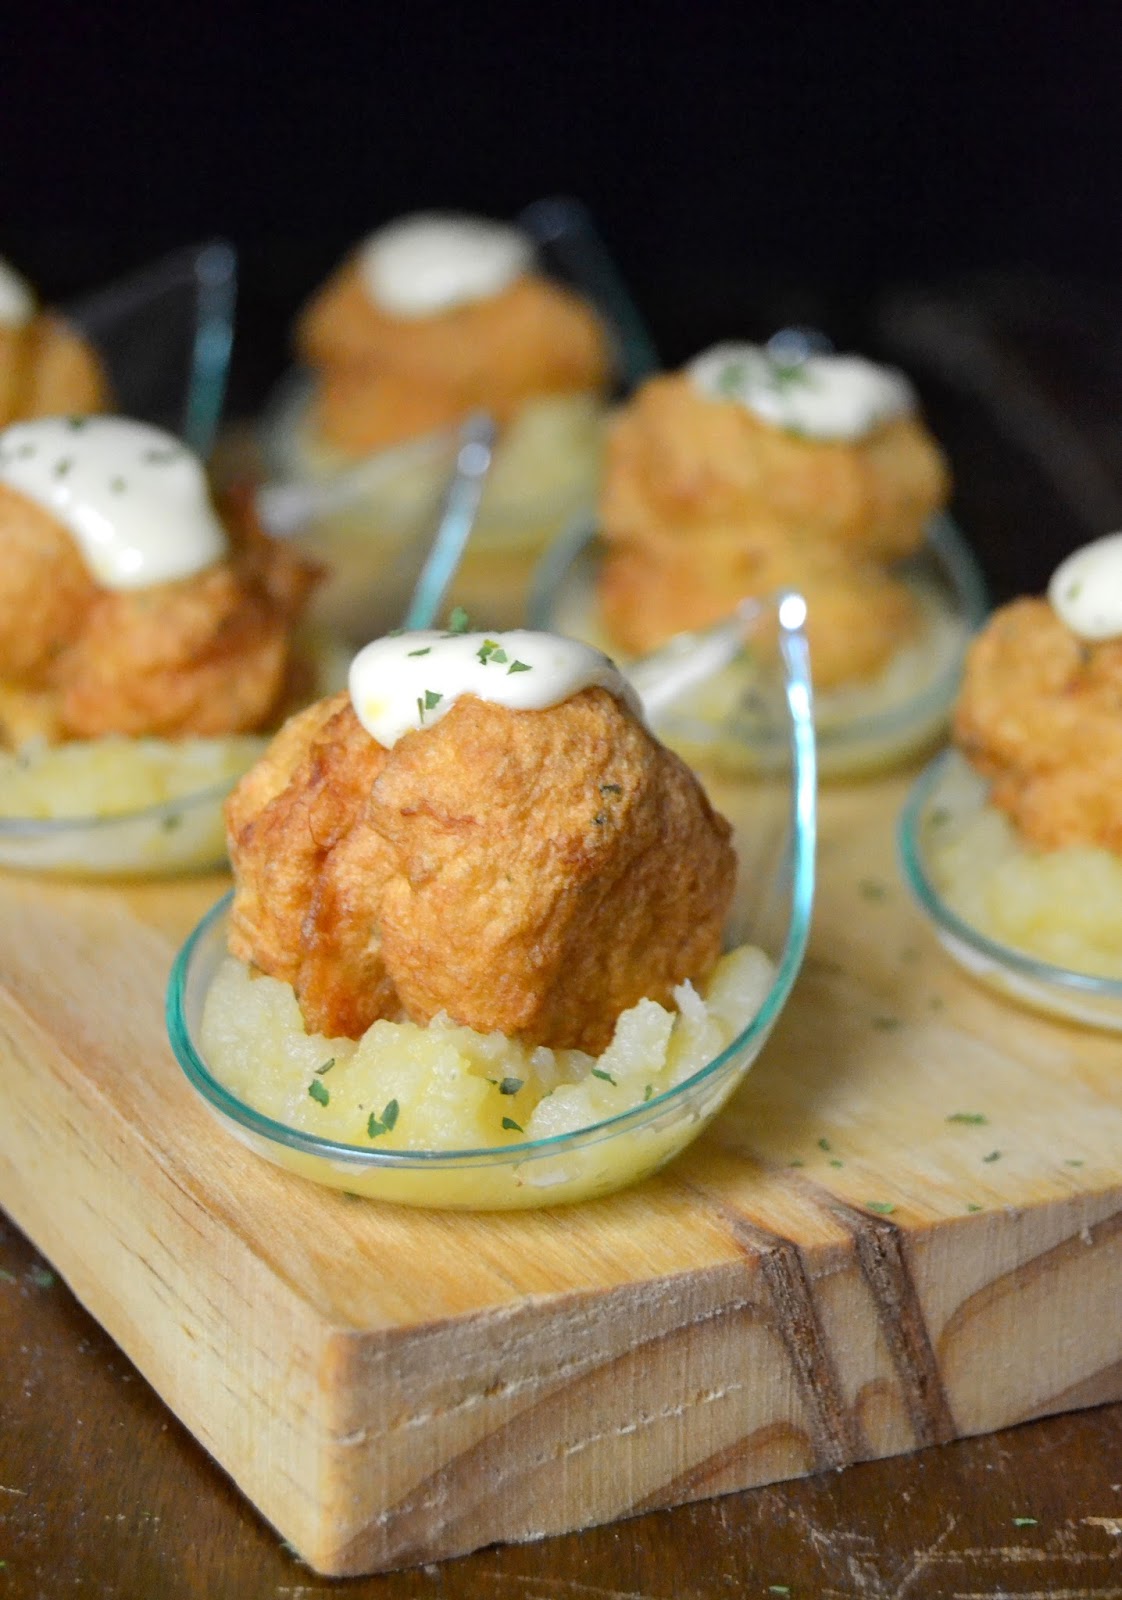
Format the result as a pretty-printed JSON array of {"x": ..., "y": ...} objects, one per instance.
[
  {"x": 1019, "y": 834},
  {"x": 145, "y": 642},
  {"x": 748, "y": 473},
  {"x": 46, "y": 367},
  {"x": 430, "y": 319},
  {"x": 477, "y": 905}
]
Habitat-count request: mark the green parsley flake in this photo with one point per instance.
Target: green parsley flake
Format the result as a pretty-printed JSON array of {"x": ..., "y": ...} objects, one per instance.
[
  {"x": 870, "y": 889},
  {"x": 994, "y": 1155},
  {"x": 426, "y": 651},
  {"x": 432, "y": 699},
  {"x": 648, "y": 1093},
  {"x": 1024, "y": 1522},
  {"x": 76, "y": 424},
  {"x": 511, "y": 1126},
  {"x": 1073, "y": 1161},
  {"x": 376, "y": 1126},
  {"x": 172, "y": 821},
  {"x": 63, "y": 467},
  {"x": 836, "y": 1163},
  {"x": 500, "y": 657},
  {"x": 973, "y": 1119},
  {"x": 883, "y": 1208},
  {"x": 318, "y": 1092},
  {"x": 41, "y": 1277},
  {"x": 517, "y": 666},
  {"x": 486, "y": 651},
  {"x": 606, "y": 1077},
  {"x": 824, "y": 1144},
  {"x": 511, "y": 1085},
  {"x": 327, "y": 1066},
  {"x": 972, "y": 1206},
  {"x": 458, "y": 620},
  {"x": 778, "y": 1588}
]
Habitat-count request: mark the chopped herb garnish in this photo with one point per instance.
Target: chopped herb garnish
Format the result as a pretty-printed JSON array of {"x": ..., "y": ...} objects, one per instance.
[
  {"x": 883, "y": 1208},
  {"x": 887, "y": 1024},
  {"x": 486, "y": 651},
  {"x": 1024, "y": 1522},
  {"x": 75, "y": 424},
  {"x": 500, "y": 656},
  {"x": 432, "y": 699},
  {"x": 824, "y": 1144},
  {"x": 606, "y": 1077},
  {"x": 973, "y": 1119},
  {"x": 836, "y": 1163},
  {"x": 648, "y": 1093},
  {"x": 511, "y": 1085},
  {"x": 41, "y": 1277},
  {"x": 778, "y": 1588},
  {"x": 458, "y": 620},
  {"x": 171, "y": 821},
  {"x": 319, "y": 1092},
  {"x": 796, "y": 1163},
  {"x": 426, "y": 651},
  {"x": 940, "y": 817},
  {"x": 1074, "y": 590},
  {"x": 517, "y": 666},
  {"x": 972, "y": 1205},
  {"x": 376, "y": 1126},
  {"x": 511, "y": 1126},
  {"x": 611, "y": 788},
  {"x": 63, "y": 466},
  {"x": 871, "y": 889},
  {"x": 420, "y": 709},
  {"x": 994, "y": 1155},
  {"x": 1073, "y": 1161},
  {"x": 327, "y": 1066}
]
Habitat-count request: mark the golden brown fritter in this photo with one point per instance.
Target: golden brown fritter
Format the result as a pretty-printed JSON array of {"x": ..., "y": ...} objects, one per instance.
[
  {"x": 47, "y": 369},
  {"x": 381, "y": 379},
  {"x": 205, "y": 655},
  {"x": 46, "y": 589},
  {"x": 1040, "y": 716},
  {"x": 531, "y": 872},
  {"x": 309, "y": 872},
  {"x": 704, "y": 503}
]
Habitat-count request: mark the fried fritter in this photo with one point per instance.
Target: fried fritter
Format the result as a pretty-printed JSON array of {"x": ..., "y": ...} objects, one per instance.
[
  {"x": 381, "y": 379},
  {"x": 204, "y": 655},
  {"x": 531, "y": 872},
  {"x": 1040, "y": 716},
  {"x": 704, "y": 503},
  {"x": 47, "y": 369}
]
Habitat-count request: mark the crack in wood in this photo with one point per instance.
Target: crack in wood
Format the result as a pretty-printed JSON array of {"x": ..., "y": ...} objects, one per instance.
[
  {"x": 835, "y": 1433},
  {"x": 879, "y": 1245}
]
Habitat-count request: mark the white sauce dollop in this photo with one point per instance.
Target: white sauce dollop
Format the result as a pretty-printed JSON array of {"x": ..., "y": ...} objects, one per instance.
[
  {"x": 410, "y": 680},
  {"x": 432, "y": 262},
  {"x": 1086, "y": 590},
  {"x": 17, "y": 298},
  {"x": 821, "y": 397},
  {"x": 134, "y": 498}
]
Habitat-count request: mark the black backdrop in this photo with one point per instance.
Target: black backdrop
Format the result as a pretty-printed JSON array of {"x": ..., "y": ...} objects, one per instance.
[{"x": 747, "y": 162}]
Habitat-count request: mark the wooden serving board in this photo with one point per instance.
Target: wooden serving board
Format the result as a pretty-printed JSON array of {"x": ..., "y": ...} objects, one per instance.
[{"x": 835, "y": 1271}]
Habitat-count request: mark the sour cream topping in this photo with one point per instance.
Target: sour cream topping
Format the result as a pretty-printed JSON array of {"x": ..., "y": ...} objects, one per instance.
[
  {"x": 134, "y": 498},
  {"x": 432, "y": 262},
  {"x": 411, "y": 680},
  {"x": 820, "y": 396},
  {"x": 17, "y": 299},
  {"x": 1086, "y": 589}
]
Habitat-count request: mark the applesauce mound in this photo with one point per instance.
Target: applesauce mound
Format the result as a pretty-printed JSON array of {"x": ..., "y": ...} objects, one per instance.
[
  {"x": 1062, "y": 906},
  {"x": 445, "y": 1087},
  {"x": 116, "y": 775}
]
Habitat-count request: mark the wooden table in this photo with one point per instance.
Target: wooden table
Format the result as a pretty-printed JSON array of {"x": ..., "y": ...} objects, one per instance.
[{"x": 103, "y": 1493}]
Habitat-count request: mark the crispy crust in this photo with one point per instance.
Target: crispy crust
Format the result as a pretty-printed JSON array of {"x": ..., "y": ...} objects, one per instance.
[
  {"x": 1040, "y": 716},
  {"x": 206, "y": 655},
  {"x": 533, "y": 872},
  {"x": 704, "y": 503},
  {"x": 383, "y": 379},
  {"x": 46, "y": 369}
]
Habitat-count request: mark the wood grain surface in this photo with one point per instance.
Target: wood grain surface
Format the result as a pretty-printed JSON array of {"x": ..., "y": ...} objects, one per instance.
[{"x": 836, "y": 1272}]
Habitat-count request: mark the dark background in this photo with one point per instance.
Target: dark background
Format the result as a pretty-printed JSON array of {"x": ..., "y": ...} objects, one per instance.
[{"x": 748, "y": 164}]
